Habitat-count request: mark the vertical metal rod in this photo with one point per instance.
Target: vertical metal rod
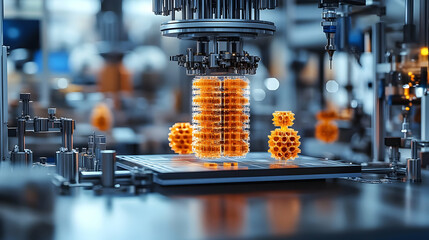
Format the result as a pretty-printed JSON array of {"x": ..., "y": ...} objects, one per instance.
[
  {"x": 21, "y": 134},
  {"x": 156, "y": 8},
  {"x": 424, "y": 41},
  {"x": 237, "y": 9},
  {"x": 414, "y": 149},
  {"x": 173, "y": 10},
  {"x": 243, "y": 9},
  {"x": 248, "y": 9},
  {"x": 203, "y": 8},
  {"x": 70, "y": 126},
  {"x": 218, "y": 9},
  {"x": 67, "y": 133},
  {"x": 4, "y": 151},
  {"x": 322, "y": 80},
  {"x": 1, "y": 20},
  {"x": 425, "y": 119},
  {"x": 215, "y": 45},
  {"x": 45, "y": 93},
  {"x": 256, "y": 9},
  {"x": 210, "y": 9},
  {"x": 409, "y": 12},
  {"x": 231, "y": 9},
  {"x": 378, "y": 129},
  {"x": 183, "y": 9},
  {"x": 423, "y": 23},
  {"x": 189, "y": 9},
  {"x": 199, "y": 10},
  {"x": 3, "y": 87},
  {"x": 224, "y": 9}
]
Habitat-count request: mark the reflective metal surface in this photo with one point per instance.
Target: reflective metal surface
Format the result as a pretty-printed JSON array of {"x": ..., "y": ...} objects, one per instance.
[{"x": 340, "y": 209}]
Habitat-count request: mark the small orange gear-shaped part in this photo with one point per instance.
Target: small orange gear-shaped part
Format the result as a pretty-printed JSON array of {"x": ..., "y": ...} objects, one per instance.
[
  {"x": 283, "y": 118},
  {"x": 284, "y": 142},
  {"x": 327, "y": 131},
  {"x": 180, "y": 138}
]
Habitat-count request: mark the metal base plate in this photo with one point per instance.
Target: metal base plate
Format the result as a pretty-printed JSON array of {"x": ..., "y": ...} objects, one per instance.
[
  {"x": 202, "y": 28},
  {"x": 255, "y": 167}
]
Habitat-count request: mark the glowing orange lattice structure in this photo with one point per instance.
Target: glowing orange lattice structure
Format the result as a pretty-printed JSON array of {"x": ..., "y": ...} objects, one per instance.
[
  {"x": 284, "y": 141},
  {"x": 180, "y": 138},
  {"x": 220, "y": 117},
  {"x": 283, "y": 119},
  {"x": 326, "y": 129}
]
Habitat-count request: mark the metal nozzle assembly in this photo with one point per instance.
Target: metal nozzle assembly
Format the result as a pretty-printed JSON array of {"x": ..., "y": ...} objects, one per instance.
[
  {"x": 219, "y": 28},
  {"x": 329, "y": 24}
]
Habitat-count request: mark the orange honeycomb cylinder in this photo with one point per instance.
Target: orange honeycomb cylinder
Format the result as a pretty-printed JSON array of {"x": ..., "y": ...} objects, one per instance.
[
  {"x": 284, "y": 142},
  {"x": 220, "y": 116},
  {"x": 180, "y": 138}
]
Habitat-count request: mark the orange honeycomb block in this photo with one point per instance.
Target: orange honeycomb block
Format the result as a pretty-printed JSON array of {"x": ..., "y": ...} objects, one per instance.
[
  {"x": 327, "y": 131},
  {"x": 235, "y": 148},
  {"x": 284, "y": 144},
  {"x": 283, "y": 119},
  {"x": 220, "y": 117},
  {"x": 180, "y": 138}
]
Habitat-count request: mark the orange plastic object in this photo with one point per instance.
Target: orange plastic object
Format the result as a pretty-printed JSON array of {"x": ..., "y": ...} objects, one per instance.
[
  {"x": 210, "y": 165},
  {"x": 102, "y": 117},
  {"x": 283, "y": 119},
  {"x": 327, "y": 131},
  {"x": 284, "y": 142},
  {"x": 230, "y": 164},
  {"x": 220, "y": 117},
  {"x": 327, "y": 115},
  {"x": 180, "y": 138}
]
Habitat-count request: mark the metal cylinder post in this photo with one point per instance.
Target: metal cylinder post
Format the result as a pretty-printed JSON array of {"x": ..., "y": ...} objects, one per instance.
[
  {"x": 414, "y": 164},
  {"x": 67, "y": 133},
  {"x": 414, "y": 170},
  {"x": 21, "y": 135},
  {"x": 67, "y": 165},
  {"x": 378, "y": 123},
  {"x": 100, "y": 144},
  {"x": 108, "y": 158}
]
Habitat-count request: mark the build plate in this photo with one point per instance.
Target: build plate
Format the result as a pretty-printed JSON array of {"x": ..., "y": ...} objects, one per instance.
[{"x": 255, "y": 167}]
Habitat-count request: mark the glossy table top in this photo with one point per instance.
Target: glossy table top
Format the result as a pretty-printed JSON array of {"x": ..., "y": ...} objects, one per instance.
[{"x": 296, "y": 209}]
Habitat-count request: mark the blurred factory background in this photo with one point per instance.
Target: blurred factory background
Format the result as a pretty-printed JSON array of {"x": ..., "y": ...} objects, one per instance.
[{"x": 105, "y": 64}]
